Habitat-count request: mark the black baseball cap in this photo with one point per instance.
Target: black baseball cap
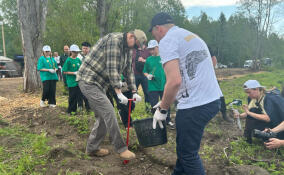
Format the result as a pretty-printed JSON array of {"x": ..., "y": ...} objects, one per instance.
[{"x": 160, "y": 19}]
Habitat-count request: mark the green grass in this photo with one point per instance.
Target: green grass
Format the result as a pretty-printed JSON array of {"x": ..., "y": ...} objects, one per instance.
[
  {"x": 240, "y": 152},
  {"x": 80, "y": 122},
  {"x": 22, "y": 156},
  {"x": 232, "y": 89}
]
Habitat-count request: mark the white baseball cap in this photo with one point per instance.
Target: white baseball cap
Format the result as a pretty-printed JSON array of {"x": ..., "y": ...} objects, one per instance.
[
  {"x": 46, "y": 48},
  {"x": 152, "y": 44},
  {"x": 74, "y": 48},
  {"x": 252, "y": 84}
]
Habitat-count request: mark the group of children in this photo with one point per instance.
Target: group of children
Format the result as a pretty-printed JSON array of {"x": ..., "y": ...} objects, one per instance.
[{"x": 48, "y": 68}]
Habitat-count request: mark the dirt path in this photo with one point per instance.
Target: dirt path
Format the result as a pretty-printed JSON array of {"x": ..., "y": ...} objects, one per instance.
[
  {"x": 232, "y": 73},
  {"x": 67, "y": 154}
]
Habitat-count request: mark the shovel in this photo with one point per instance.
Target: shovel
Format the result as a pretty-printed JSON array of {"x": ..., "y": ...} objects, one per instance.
[{"x": 128, "y": 126}]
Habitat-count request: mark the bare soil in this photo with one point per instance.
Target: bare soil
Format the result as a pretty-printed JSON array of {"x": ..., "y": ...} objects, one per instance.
[{"x": 68, "y": 146}]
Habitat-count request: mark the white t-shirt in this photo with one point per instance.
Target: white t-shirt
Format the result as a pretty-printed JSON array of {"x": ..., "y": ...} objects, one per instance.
[{"x": 199, "y": 83}]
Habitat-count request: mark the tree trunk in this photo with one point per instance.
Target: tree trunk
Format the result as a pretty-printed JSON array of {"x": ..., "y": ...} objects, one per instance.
[
  {"x": 103, "y": 7},
  {"x": 32, "y": 15}
]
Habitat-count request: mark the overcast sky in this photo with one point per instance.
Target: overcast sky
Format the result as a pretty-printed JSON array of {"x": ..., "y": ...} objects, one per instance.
[
  {"x": 212, "y": 3},
  {"x": 213, "y": 8}
]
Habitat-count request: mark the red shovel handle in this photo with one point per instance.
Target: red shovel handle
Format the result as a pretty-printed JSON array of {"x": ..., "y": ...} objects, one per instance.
[{"x": 128, "y": 126}]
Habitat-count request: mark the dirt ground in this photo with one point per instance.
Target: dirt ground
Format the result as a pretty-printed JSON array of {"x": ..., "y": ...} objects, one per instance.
[{"x": 68, "y": 146}]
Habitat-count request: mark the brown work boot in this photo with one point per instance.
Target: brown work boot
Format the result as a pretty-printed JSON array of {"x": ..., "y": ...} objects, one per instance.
[
  {"x": 128, "y": 155},
  {"x": 99, "y": 153}
]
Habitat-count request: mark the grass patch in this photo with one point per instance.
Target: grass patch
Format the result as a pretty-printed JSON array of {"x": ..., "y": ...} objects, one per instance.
[
  {"x": 232, "y": 89},
  {"x": 240, "y": 152},
  {"x": 80, "y": 122},
  {"x": 22, "y": 156}
]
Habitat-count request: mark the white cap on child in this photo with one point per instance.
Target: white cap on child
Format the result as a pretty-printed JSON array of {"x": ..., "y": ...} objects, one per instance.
[{"x": 152, "y": 44}]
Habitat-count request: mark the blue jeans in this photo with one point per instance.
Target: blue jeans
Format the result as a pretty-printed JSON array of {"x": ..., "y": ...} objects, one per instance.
[
  {"x": 141, "y": 79},
  {"x": 190, "y": 124}
]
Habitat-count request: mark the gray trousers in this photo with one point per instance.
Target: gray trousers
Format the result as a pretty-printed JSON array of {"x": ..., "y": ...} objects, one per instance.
[{"x": 105, "y": 119}]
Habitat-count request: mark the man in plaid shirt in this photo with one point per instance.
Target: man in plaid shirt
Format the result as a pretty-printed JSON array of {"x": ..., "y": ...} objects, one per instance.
[{"x": 101, "y": 69}]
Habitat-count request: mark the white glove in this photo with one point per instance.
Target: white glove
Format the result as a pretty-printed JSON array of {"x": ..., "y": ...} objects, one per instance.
[
  {"x": 122, "y": 99},
  {"x": 51, "y": 71},
  {"x": 122, "y": 84},
  {"x": 137, "y": 98},
  {"x": 150, "y": 76},
  {"x": 157, "y": 105},
  {"x": 75, "y": 73},
  {"x": 158, "y": 117}
]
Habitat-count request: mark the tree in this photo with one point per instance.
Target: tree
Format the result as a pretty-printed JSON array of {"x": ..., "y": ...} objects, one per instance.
[
  {"x": 11, "y": 27},
  {"x": 261, "y": 11},
  {"x": 103, "y": 7},
  {"x": 32, "y": 14}
]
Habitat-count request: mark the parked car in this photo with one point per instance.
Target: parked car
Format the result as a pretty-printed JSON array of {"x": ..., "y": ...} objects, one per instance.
[
  {"x": 248, "y": 64},
  {"x": 267, "y": 61},
  {"x": 221, "y": 66}
]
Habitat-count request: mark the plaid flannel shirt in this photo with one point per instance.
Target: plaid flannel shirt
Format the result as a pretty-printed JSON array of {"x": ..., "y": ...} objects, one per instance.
[{"x": 105, "y": 63}]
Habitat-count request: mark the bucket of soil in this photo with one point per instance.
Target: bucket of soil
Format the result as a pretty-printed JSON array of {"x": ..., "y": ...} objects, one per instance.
[{"x": 147, "y": 136}]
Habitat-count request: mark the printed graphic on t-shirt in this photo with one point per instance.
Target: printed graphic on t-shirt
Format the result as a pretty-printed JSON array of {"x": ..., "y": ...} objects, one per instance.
[{"x": 192, "y": 61}]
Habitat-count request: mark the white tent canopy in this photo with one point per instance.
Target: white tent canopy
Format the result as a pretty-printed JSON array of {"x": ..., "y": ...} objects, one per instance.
[{"x": 5, "y": 59}]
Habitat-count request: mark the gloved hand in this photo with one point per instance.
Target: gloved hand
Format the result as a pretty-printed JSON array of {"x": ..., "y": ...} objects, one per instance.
[
  {"x": 75, "y": 73},
  {"x": 157, "y": 105},
  {"x": 137, "y": 98},
  {"x": 122, "y": 99},
  {"x": 158, "y": 117},
  {"x": 51, "y": 71},
  {"x": 150, "y": 76}
]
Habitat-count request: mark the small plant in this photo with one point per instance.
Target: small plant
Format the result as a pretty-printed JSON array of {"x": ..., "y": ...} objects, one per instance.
[
  {"x": 22, "y": 158},
  {"x": 81, "y": 122}
]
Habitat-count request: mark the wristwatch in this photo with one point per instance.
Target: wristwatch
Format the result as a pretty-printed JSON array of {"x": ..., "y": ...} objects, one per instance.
[{"x": 162, "y": 111}]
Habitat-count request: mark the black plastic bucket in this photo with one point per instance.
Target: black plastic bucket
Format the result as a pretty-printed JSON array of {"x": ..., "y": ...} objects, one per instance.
[{"x": 147, "y": 136}]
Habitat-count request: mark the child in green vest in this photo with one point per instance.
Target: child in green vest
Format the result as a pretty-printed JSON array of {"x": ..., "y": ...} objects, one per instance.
[
  {"x": 70, "y": 68},
  {"x": 47, "y": 67},
  {"x": 155, "y": 74}
]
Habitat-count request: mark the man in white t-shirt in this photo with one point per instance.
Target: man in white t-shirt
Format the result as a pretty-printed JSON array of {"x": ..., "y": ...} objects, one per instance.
[{"x": 192, "y": 82}]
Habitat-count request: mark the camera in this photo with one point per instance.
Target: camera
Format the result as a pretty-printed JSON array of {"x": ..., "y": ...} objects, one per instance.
[{"x": 265, "y": 136}]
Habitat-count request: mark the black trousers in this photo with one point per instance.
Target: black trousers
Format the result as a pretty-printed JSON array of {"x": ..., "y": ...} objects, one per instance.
[
  {"x": 223, "y": 105},
  {"x": 252, "y": 123},
  {"x": 48, "y": 91},
  {"x": 87, "y": 106},
  {"x": 75, "y": 99},
  {"x": 122, "y": 109},
  {"x": 141, "y": 79}
]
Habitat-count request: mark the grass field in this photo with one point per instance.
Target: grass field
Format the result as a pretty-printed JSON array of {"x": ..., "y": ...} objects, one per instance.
[{"x": 23, "y": 152}]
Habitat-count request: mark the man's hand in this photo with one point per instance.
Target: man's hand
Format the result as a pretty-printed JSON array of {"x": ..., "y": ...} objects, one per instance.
[
  {"x": 158, "y": 117},
  {"x": 137, "y": 98},
  {"x": 51, "y": 71},
  {"x": 122, "y": 99},
  {"x": 150, "y": 77},
  {"x": 75, "y": 73},
  {"x": 274, "y": 143}
]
